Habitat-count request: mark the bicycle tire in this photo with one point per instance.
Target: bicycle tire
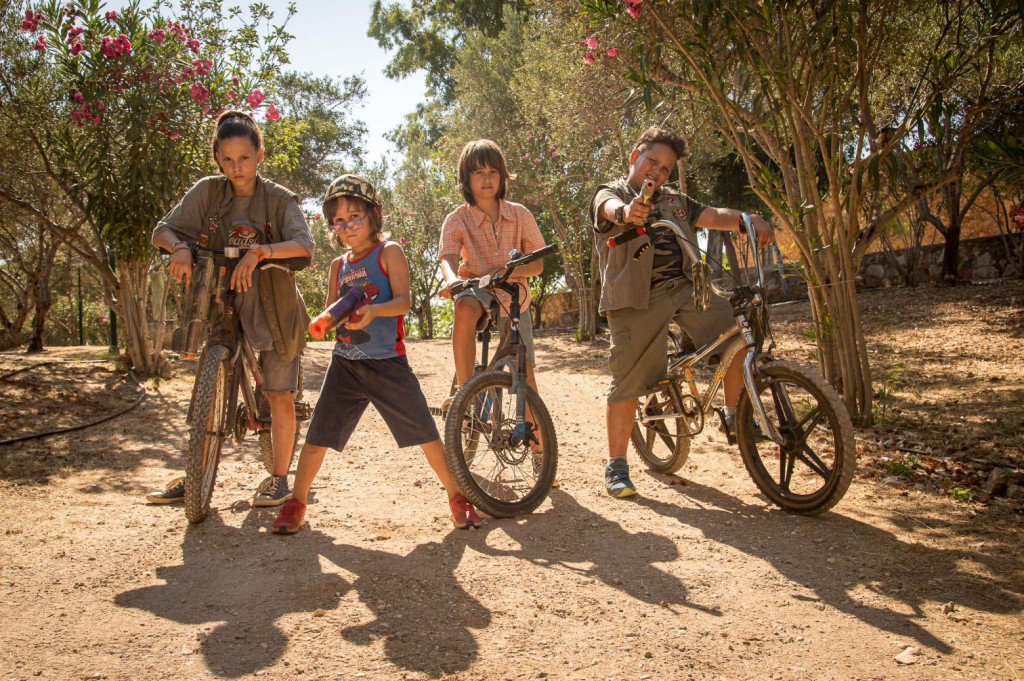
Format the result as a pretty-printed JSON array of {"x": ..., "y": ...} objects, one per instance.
[
  {"x": 660, "y": 443},
  {"x": 206, "y": 432},
  {"x": 266, "y": 440},
  {"x": 500, "y": 478},
  {"x": 818, "y": 434}
]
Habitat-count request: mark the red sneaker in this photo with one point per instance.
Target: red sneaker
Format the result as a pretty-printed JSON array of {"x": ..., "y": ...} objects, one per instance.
[
  {"x": 463, "y": 513},
  {"x": 291, "y": 517}
]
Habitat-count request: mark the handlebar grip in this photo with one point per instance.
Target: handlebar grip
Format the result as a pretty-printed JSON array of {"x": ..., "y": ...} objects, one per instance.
[
  {"x": 628, "y": 235},
  {"x": 461, "y": 286},
  {"x": 530, "y": 257}
]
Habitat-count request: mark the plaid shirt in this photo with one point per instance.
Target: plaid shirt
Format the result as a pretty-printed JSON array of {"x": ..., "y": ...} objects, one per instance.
[{"x": 483, "y": 247}]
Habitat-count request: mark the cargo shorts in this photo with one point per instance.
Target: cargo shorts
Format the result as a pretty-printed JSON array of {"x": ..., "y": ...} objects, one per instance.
[{"x": 639, "y": 349}]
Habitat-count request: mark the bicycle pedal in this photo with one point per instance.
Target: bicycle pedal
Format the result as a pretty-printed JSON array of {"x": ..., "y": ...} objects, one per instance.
[{"x": 302, "y": 410}]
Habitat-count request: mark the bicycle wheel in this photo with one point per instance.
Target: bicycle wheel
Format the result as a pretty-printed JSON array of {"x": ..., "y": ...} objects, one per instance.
[
  {"x": 206, "y": 432},
  {"x": 813, "y": 468},
  {"x": 487, "y": 452},
  {"x": 266, "y": 440},
  {"x": 664, "y": 444}
]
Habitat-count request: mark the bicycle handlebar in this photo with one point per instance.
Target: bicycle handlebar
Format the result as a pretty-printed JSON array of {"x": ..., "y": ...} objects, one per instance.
[
  {"x": 692, "y": 251},
  {"x": 491, "y": 280},
  {"x": 236, "y": 252}
]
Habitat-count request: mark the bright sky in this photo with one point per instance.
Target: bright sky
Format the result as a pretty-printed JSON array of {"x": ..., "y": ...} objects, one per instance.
[{"x": 330, "y": 39}]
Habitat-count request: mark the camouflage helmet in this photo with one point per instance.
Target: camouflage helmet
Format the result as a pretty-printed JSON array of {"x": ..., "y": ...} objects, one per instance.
[{"x": 352, "y": 185}]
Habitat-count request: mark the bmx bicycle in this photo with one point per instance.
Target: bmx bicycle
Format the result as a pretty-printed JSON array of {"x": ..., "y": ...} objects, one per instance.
[
  {"x": 227, "y": 366},
  {"x": 793, "y": 432},
  {"x": 499, "y": 439}
]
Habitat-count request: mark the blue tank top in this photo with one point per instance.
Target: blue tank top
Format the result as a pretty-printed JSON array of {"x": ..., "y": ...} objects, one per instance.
[{"x": 384, "y": 336}]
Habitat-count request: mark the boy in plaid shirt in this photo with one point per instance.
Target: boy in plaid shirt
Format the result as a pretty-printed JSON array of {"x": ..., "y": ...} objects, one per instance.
[{"x": 475, "y": 240}]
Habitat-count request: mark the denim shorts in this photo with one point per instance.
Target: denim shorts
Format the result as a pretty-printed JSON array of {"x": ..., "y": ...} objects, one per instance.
[
  {"x": 487, "y": 300},
  {"x": 388, "y": 384},
  {"x": 278, "y": 376}
]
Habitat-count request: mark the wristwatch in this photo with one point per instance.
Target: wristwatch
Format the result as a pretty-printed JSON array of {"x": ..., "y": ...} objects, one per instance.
[{"x": 620, "y": 217}]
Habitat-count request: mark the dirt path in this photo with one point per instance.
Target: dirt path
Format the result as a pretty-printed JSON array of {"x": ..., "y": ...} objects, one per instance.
[{"x": 696, "y": 578}]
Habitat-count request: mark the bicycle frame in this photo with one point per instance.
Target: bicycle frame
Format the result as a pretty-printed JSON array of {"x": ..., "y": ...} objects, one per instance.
[
  {"x": 744, "y": 335},
  {"x": 243, "y": 363}
]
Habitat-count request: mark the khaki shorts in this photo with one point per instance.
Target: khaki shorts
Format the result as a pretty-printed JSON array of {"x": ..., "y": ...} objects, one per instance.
[
  {"x": 487, "y": 300},
  {"x": 640, "y": 337}
]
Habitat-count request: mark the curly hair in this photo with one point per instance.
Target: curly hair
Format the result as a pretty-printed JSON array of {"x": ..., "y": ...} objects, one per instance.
[{"x": 659, "y": 135}]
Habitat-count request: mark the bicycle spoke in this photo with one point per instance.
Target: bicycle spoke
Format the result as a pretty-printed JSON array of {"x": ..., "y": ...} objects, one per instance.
[
  {"x": 786, "y": 462},
  {"x": 813, "y": 461}
]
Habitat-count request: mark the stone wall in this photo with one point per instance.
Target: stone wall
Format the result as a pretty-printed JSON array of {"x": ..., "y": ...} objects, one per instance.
[{"x": 981, "y": 259}]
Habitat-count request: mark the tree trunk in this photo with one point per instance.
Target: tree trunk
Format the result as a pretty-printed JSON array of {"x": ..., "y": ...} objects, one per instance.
[
  {"x": 131, "y": 306},
  {"x": 573, "y": 265},
  {"x": 42, "y": 309}
]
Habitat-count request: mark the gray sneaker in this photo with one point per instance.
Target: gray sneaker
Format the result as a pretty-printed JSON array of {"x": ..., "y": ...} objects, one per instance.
[
  {"x": 273, "y": 491},
  {"x": 173, "y": 493},
  {"x": 616, "y": 479}
]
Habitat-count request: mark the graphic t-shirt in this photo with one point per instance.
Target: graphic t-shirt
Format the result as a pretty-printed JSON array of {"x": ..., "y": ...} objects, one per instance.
[
  {"x": 187, "y": 219},
  {"x": 383, "y": 337}
]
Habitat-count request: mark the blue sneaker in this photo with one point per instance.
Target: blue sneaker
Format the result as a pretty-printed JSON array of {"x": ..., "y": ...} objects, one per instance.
[
  {"x": 174, "y": 493},
  {"x": 273, "y": 491},
  {"x": 616, "y": 478}
]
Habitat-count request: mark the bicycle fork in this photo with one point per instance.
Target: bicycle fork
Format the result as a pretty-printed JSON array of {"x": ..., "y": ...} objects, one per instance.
[{"x": 767, "y": 425}]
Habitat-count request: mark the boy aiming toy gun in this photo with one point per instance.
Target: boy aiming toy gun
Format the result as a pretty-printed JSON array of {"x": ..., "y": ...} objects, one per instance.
[
  {"x": 344, "y": 308},
  {"x": 645, "y": 197}
]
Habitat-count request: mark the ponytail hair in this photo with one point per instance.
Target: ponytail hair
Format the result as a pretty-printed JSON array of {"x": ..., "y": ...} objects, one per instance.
[{"x": 233, "y": 123}]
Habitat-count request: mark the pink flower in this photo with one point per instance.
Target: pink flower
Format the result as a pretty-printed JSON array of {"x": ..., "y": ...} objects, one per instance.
[
  {"x": 157, "y": 35},
  {"x": 234, "y": 80},
  {"x": 526, "y": 157},
  {"x": 589, "y": 57},
  {"x": 193, "y": 45},
  {"x": 174, "y": 135},
  {"x": 40, "y": 45},
  {"x": 613, "y": 52},
  {"x": 633, "y": 7},
  {"x": 537, "y": 160},
  {"x": 255, "y": 98},
  {"x": 554, "y": 154},
  {"x": 317, "y": 216},
  {"x": 402, "y": 240},
  {"x": 110, "y": 16},
  {"x": 231, "y": 95},
  {"x": 96, "y": 119},
  {"x": 199, "y": 92},
  {"x": 591, "y": 42},
  {"x": 100, "y": 106},
  {"x": 76, "y": 47},
  {"x": 75, "y": 31},
  {"x": 411, "y": 214},
  {"x": 206, "y": 109},
  {"x": 78, "y": 97},
  {"x": 272, "y": 113},
  {"x": 30, "y": 22}
]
